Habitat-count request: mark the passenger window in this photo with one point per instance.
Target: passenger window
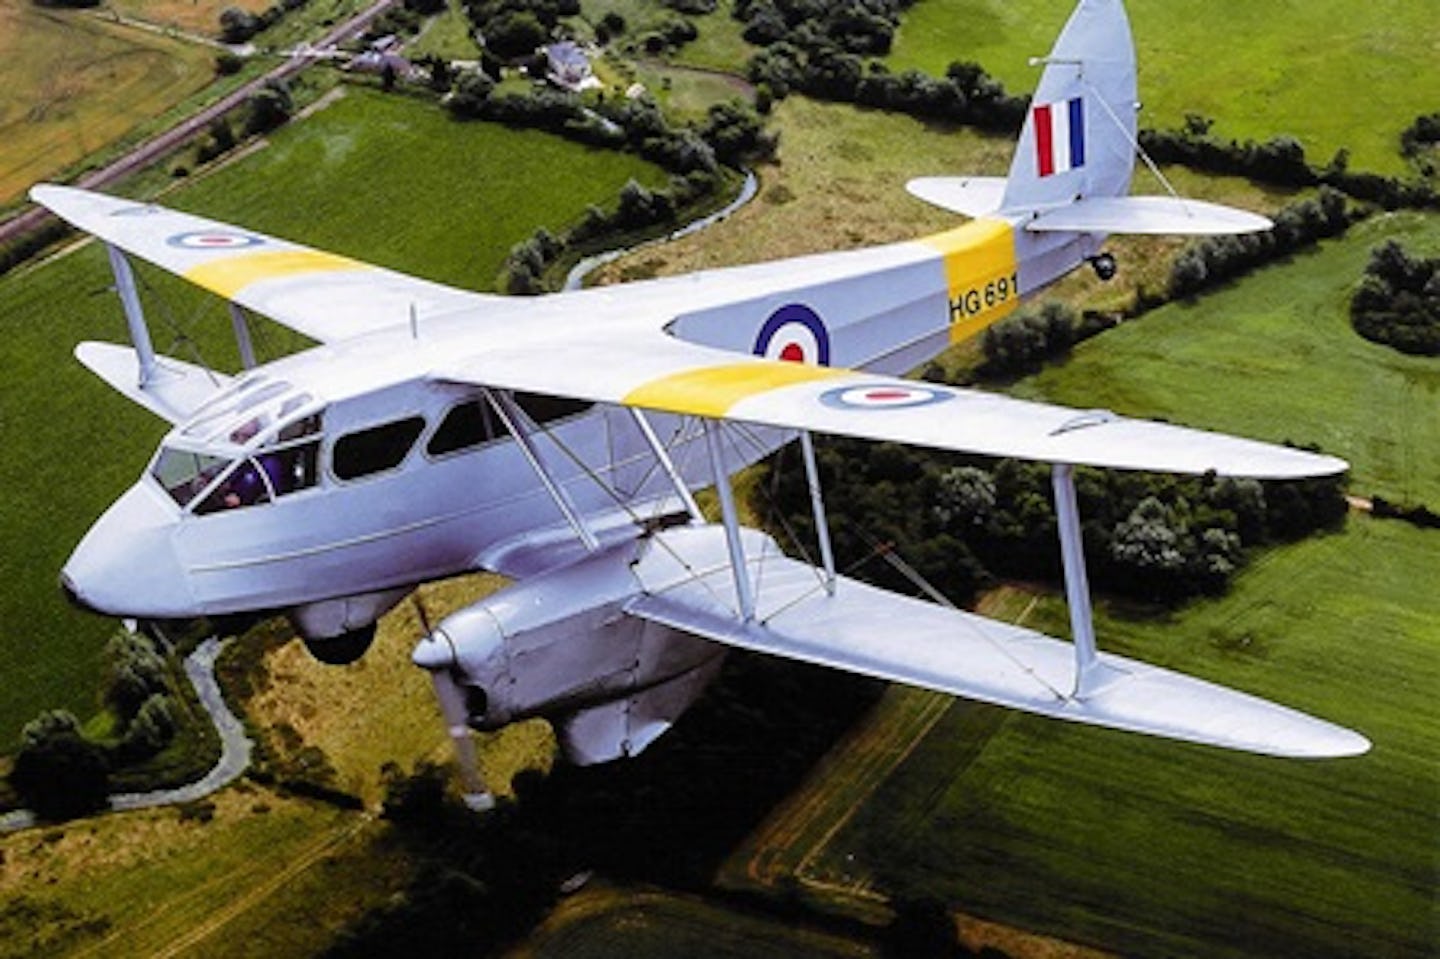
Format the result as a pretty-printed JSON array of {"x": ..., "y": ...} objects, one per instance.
[
  {"x": 546, "y": 409},
  {"x": 375, "y": 449},
  {"x": 467, "y": 425}
]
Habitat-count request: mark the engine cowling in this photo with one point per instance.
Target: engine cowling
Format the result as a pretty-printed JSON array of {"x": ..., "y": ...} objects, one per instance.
[{"x": 560, "y": 646}]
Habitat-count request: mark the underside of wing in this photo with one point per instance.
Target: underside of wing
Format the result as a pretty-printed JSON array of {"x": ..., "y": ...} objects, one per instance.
[
  {"x": 870, "y": 631},
  {"x": 176, "y": 388},
  {"x": 322, "y": 295},
  {"x": 1162, "y": 215},
  {"x": 654, "y": 371}
]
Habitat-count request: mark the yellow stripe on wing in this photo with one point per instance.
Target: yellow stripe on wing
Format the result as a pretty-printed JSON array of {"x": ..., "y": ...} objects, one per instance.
[
  {"x": 712, "y": 390},
  {"x": 229, "y": 275},
  {"x": 980, "y": 273}
]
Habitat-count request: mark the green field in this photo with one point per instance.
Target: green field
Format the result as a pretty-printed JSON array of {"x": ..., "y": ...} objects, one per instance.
[
  {"x": 1331, "y": 72},
  {"x": 389, "y": 180},
  {"x": 73, "y": 84},
  {"x": 1274, "y": 357},
  {"x": 1160, "y": 849}
]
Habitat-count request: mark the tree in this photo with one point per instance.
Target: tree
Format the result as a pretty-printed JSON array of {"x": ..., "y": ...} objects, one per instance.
[
  {"x": 237, "y": 25},
  {"x": 269, "y": 108},
  {"x": 58, "y": 773},
  {"x": 515, "y": 34}
]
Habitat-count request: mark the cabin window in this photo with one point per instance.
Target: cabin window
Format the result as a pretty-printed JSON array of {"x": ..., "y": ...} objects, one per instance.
[
  {"x": 547, "y": 409},
  {"x": 465, "y": 426},
  {"x": 252, "y": 482},
  {"x": 375, "y": 449},
  {"x": 184, "y": 474}
]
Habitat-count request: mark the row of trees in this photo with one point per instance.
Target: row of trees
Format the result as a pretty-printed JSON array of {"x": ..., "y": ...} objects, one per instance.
[
  {"x": 963, "y": 522},
  {"x": 1215, "y": 259},
  {"x": 732, "y": 133},
  {"x": 821, "y": 48},
  {"x": 1398, "y": 302},
  {"x": 1281, "y": 160}
]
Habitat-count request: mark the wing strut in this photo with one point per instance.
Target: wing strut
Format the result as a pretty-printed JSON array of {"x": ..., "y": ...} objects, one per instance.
[
  {"x": 134, "y": 314},
  {"x": 1090, "y": 673},
  {"x": 662, "y": 456},
  {"x": 517, "y": 423},
  {"x": 817, "y": 506},
  {"x": 242, "y": 335},
  {"x": 732, "y": 523}
]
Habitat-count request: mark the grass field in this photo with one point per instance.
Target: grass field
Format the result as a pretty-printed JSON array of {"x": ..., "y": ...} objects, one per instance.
[
  {"x": 385, "y": 179},
  {"x": 266, "y": 876},
  {"x": 1153, "y": 848},
  {"x": 1274, "y": 357},
  {"x": 605, "y": 923},
  {"x": 1330, "y": 72},
  {"x": 200, "y": 17},
  {"x": 75, "y": 83}
]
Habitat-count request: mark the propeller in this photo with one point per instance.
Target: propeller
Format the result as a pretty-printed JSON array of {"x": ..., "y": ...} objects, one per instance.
[{"x": 436, "y": 655}]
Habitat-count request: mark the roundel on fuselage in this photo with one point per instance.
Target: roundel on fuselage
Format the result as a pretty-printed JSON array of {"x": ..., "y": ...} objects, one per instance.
[{"x": 794, "y": 333}]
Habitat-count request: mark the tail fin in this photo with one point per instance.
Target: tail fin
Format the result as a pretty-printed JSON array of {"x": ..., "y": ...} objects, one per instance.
[
  {"x": 1072, "y": 166},
  {"x": 1079, "y": 137}
]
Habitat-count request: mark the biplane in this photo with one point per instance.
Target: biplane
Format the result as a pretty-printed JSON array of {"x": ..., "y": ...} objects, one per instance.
[{"x": 559, "y": 440}]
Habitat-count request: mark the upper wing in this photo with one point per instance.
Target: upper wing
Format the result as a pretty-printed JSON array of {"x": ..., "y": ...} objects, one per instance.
[
  {"x": 323, "y": 295},
  {"x": 654, "y": 371}
]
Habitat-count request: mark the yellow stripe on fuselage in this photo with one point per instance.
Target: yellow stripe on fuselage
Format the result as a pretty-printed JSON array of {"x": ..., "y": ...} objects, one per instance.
[
  {"x": 229, "y": 275},
  {"x": 980, "y": 272},
  {"x": 712, "y": 390}
]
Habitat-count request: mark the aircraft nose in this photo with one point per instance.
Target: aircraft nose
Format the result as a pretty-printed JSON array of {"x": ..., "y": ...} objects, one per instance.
[
  {"x": 72, "y": 595},
  {"x": 127, "y": 565}
]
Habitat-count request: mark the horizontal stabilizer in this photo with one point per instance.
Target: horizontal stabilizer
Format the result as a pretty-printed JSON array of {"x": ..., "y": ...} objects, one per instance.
[
  {"x": 1147, "y": 214},
  {"x": 967, "y": 195},
  {"x": 176, "y": 390},
  {"x": 956, "y": 652}
]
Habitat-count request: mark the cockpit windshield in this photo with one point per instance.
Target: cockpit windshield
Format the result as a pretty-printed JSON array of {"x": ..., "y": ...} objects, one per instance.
[
  {"x": 185, "y": 474},
  {"x": 258, "y": 441}
]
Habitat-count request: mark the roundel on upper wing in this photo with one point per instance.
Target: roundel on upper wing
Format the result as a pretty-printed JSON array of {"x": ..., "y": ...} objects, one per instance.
[
  {"x": 213, "y": 240},
  {"x": 794, "y": 333},
  {"x": 884, "y": 396}
]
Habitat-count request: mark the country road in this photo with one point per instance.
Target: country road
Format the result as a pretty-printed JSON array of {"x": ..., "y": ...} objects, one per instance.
[{"x": 151, "y": 150}]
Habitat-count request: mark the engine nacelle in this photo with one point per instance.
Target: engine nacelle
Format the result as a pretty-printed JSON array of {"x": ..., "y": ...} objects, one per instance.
[
  {"x": 560, "y": 645},
  {"x": 339, "y": 631}
]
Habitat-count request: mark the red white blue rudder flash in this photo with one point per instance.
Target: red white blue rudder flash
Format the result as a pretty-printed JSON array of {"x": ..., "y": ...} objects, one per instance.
[
  {"x": 1059, "y": 136},
  {"x": 1079, "y": 137}
]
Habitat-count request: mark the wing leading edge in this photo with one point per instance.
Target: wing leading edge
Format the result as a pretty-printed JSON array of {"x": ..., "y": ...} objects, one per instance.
[
  {"x": 655, "y": 371},
  {"x": 323, "y": 295},
  {"x": 955, "y": 652}
]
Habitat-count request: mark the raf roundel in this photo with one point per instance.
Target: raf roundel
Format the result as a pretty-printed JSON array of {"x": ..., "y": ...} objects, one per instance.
[
  {"x": 213, "y": 240},
  {"x": 794, "y": 333},
  {"x": 884, "y": 396}
]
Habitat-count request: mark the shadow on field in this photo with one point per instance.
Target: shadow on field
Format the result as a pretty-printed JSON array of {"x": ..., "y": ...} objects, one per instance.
[{"x": 668, "y": 817}]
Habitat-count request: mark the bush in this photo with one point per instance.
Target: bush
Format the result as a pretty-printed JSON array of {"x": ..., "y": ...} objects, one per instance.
[
  {"x": 238, "y": 25},
  {"x": 58, "y": 773},
  {"x": 268, "y": 108},
  {"x": 1398, "y": 301}
]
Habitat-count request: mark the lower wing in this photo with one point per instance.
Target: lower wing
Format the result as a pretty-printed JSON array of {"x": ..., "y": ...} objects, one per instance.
[{"x": 877, "y": 633}]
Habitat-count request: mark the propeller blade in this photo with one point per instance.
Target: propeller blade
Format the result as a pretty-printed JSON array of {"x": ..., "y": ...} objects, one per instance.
[{"x": 436, "y": 656}]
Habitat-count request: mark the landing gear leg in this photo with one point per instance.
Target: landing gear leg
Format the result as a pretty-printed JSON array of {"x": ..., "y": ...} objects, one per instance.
[{"x": 1104, "y": 266}]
